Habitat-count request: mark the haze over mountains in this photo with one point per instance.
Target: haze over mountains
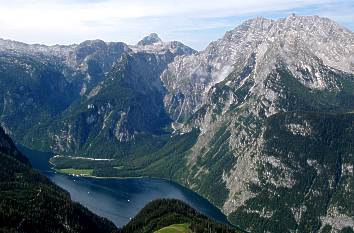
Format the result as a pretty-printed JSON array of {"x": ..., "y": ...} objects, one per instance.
[{"x": 260, "y": 122}]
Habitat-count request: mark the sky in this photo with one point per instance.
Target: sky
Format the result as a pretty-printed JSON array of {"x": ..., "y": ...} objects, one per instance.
[{"x": 193, "y": 22}]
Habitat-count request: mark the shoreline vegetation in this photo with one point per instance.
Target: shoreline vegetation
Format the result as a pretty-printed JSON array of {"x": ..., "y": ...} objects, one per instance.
[
  {"x": 76, "y": 173},
  {"x": 83, "y": 158}
]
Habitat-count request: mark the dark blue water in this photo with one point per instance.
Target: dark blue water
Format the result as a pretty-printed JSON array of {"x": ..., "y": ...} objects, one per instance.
[{"x": 119, "y": 200}]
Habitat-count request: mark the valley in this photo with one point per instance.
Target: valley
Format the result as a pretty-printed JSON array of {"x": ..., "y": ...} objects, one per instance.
[{"x": 30, "y": 202}]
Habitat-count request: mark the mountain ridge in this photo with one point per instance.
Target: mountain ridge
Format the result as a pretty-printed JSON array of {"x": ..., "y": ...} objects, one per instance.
[{"x": 214, "y": 63}]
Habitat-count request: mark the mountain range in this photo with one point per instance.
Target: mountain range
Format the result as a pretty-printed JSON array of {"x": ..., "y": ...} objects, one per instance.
[{"x": 260, "y": 122}]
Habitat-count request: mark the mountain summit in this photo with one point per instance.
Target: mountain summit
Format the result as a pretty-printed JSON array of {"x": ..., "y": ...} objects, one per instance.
[
  {"x": 265, "y": 98},
  {"x": 149, "y": 40},
  {"x": 153, "y": 44},
  {"x": 294, "y": 38}
]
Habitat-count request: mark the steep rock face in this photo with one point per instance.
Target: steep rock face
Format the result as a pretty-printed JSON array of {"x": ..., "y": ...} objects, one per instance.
[
  {"x": 127, "y": 103},
  {"x": 77, "y": 85},
  {"x": 300, "y": 178},
  {"x": 189, "y": 78},
  {"x": 40, "y": 82},
  {"x": 287, "y": 69},
  {"x": 232, "y": 125},
  {"x": 92, "y": 60},
  {"x": 130, "y": 102},
  {"x": 83, "y": 65},
  {"x": 32, "y": 91}
]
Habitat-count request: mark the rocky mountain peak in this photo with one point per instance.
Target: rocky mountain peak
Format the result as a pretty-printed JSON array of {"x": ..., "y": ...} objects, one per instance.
[
  {"x": 293, "y": 39},
  {"x": 153, "y": 44},
  {"x": 151, "y": 39},
  {"x": 257, "y": 72},
  {"x": 258, "y": 22}
]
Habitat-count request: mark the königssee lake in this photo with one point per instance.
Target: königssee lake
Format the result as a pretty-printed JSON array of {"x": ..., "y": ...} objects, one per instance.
[{"x": 119, "y": 200}]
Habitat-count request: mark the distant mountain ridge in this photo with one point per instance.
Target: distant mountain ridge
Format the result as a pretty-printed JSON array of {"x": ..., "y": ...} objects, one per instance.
[{"x": 66, "y": 77}]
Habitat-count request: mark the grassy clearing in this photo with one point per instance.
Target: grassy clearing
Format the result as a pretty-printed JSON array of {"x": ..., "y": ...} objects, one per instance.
[
  {"x": 176, "y": 228},
  {"x": 80, "y": 172}
]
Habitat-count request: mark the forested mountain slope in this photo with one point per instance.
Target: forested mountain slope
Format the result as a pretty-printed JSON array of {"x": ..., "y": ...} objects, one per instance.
[{"x": 32, "y": 203}]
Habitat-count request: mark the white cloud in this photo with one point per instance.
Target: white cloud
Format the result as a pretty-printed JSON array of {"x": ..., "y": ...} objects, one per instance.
[{"x": 67, "y": 21}]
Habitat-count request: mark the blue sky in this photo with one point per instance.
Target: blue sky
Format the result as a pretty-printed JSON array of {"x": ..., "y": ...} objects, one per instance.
[{"x": 193, "y": 22}]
